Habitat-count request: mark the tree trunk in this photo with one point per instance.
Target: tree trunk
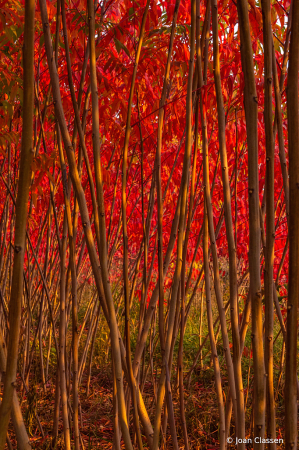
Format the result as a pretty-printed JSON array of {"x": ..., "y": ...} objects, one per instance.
[
  {"x": 270, "y": 225},
  {"x": 21, "y": 219},
  {"x": 238, "y": 404},
  {"x": 251, "y": 109},
  {"x": 291, "y": 407}
]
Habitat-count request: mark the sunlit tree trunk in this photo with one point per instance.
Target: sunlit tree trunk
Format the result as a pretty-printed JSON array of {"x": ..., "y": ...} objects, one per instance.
[
  {"x": 62, "y": 340},
  {"x": 165, "y": 88},
  {"x": 251, "y": 109},
  {"x": 233, "y": 286},
  {"x": 270, "y": 225},
  {"x": 181, "y": 229},
  {"x": 211, "y": 333},
  {"x": 132, "y": 380},
  {"x": 21, "y": 219},
  {"x": 72, "y": 263},
  {"x": 16, "y": 413},
  {"x": 103, "y": 287}
]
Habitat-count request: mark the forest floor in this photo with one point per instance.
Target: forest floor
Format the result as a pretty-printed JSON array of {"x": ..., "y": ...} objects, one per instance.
[
  {"x": 96, "y": 413},
  {"x": 96, "y": 420}
]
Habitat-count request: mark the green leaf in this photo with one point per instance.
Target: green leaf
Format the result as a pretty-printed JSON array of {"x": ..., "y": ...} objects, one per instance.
[
  {"x": 120, "y": 46},
  {"x": 76, "y": 16},
  {"x": 42, "y": 40}
]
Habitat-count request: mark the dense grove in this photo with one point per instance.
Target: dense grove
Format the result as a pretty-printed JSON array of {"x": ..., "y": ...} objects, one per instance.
[{"x": 149, "y": 224}]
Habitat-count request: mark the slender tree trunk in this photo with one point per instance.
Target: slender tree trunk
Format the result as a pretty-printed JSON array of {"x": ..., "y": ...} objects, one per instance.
[
  {"x": 116, "y": 434},
  {"x": 21, "y": 219},
  {"x": 72, "y": 264},
  {"x": 233, "y": 286},
  {"x": 62, "y": 341},
  {"x": 56, "y": 409},
  {"x": 291, "y": 407},
  {"x": 212, "y": 336},
  {"x": 103, "y": 287},
  {"x": 16, "y": 413},
  {"x": 251, "y": 104},
  {"x": 165, "y": 88},
  {"x": 131, "y": 380},
  {"x": 270, "y": 231},
  {"x": 92, "y": 351},
  {"x": 181, "y": 230}
]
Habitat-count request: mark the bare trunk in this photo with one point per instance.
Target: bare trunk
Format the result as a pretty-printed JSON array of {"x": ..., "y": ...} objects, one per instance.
[
  {"x": 238, "y": 404},
  {"x": 270, "y": 231},
  {"x": 21, "y": 220},
  {"x": 251, "y": 103},
  {"x": 212, "y": 336},
  {"x": 291, "y": 408}
]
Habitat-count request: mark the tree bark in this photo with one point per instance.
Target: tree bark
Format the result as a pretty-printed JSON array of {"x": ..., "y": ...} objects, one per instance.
[
  {"x": 251, "y": 109},
  {"x": 238, "y": 404},
  {"x": 211, "y": 333},
  {"x": 132, "y": 380},
  {"x": 270, "y": 225},
  {"x": 181, "y": 229},
  {"x": 291, "y": 407},
  {"x": 21, "y": 220}
]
